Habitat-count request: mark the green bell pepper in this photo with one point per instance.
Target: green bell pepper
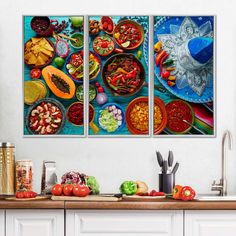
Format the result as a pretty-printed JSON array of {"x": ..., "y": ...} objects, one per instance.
[{"x": 128, "y": 187}]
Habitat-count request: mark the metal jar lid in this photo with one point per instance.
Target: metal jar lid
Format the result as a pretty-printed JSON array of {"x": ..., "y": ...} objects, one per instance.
[{"x": 6, "y": 144}]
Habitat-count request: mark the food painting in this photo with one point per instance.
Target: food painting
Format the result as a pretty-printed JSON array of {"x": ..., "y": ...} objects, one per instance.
[
  {"x": 184, "y": 75},
  {"x": 53, "y": 75},
  {"x": 118, "y": 90}
]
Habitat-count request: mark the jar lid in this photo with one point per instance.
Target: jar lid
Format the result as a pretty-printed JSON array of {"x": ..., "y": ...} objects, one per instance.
[
  {"x": 6, "y": 144},
  {"x": 24, "y": 160}
]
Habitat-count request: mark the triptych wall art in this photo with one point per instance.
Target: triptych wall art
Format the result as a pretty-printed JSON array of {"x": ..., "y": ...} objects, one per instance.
[{"x": 119, "y": 76}]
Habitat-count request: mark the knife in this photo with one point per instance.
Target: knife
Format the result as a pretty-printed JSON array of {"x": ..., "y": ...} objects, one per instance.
[
  {"x": 175, "y": 168},
  {"x": 159, "y": 158},
  {"x": 165, "y": 167},
  {"x": 170, "y": 159}
]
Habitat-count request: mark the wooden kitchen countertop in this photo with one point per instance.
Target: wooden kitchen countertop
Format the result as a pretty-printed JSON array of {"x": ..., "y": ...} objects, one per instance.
[
  {"x": 36, "y": 204},
  {"x": 166, "y": 204}
]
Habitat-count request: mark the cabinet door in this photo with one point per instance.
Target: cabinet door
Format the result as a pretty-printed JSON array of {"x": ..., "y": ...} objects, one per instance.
[
  {"x": 210, "y": 223},
  {"x": 35, "y": 222},
  {"x": 2, "y": 222},
  {"x": 122, "y": 223}
]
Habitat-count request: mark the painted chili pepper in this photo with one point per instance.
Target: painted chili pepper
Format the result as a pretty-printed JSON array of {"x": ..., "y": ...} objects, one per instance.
[
  {"x": 139, "y": 54},
  {"x": 170, "y": 68},
  {"x": 118, "y": 50},
  {"x": 176, "y": 191},
  {"x": 171, "y": 83},
  {"x": 168, "y": 62},
  {"x": 162, "y": 60},
  {"x": 160, "y": 56},
  {"x": 172, "y": 78},
  {"x": 158, "y": 46},
  {"x": 165, "y": 74},
  {"x": 187, "y": 193}
]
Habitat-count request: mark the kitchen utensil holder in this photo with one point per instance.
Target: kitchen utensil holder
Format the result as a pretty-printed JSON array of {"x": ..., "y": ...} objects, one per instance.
[{"x": 166, "y": 182}]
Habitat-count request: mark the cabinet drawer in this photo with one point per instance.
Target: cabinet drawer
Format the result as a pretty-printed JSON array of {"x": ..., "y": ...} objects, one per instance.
[
  {"x": 35, "y": 222},
  {"x": 120, "y": 223},
  {"x": 210, "y": 223},
  {"x": 2, "y": 222}
]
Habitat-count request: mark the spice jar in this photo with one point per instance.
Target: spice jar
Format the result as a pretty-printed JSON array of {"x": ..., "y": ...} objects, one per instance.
[
  {"x": 24, "y": 175},
  {"x": 7, "y": 165}
]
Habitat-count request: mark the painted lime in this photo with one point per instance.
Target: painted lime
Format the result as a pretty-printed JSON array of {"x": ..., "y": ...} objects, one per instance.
[{"x": 59, "y": 61}]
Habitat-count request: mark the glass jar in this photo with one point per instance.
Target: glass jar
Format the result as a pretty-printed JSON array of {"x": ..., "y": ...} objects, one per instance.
[{"x": 24, "y": 175}]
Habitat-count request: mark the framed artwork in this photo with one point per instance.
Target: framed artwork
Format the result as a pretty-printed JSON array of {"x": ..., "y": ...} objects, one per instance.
[
  {"x": 144, "y": 76},
  {"x": 121, "y": 105},
  {"x": 53, "y": 75},
  {"x": 184, "y": 75}
]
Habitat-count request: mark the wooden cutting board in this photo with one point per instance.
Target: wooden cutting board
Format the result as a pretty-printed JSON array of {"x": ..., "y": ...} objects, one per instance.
[
  {"x": 27, "y": 199},
  {"x": 137, "y": 198},
  {"x": 89, "y": 198}
]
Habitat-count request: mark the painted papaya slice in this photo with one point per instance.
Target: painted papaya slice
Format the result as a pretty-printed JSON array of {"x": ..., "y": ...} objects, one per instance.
[{"x": 58, "y": 82}]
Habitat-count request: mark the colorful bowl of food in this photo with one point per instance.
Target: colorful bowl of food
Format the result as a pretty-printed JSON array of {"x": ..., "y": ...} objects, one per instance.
[
  {"x": 79, "y": 43},
  {"x": 103, "y": 45},
  {"x": 80, "y": 92},
  {"x": 123, "y": 75},
  {"x": 107, "y": 24},
  {"x": 128, "y": 34},
  {"x": 137, "y": 113},
  {"x": 111, "y": 117},
  {"x": 45, "y": 117},
  {"x": 75, "y": 66},
  {"x": 75, "y": 115},
  {"x": 160, "y": 116},
  {"x": 180, "y": 116},
  {"x": 38, "y": 52},
  {"x": 42, "y": 25}
]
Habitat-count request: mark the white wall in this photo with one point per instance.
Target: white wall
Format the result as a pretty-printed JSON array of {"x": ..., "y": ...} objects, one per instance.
[{"x": 115, "y": 160}]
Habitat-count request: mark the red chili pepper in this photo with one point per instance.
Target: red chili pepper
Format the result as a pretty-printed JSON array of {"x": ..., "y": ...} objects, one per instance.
[
  {"x": 171, "y": 83},
  {"x": 155, "y": 193},
  {"x": 165, "y": 74},
  {"x": 162, "y": 60},
  {"x": 160, "y": 56},
  {"x": 131, "y": 74},
  {"x": 187, "y": 193},
  {"x": 118, "y": 50}
]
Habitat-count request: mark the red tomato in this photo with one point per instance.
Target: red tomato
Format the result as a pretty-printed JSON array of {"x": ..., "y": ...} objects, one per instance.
[
  {"x": 68, "y": 190},
  {"x": 27, "y": 194},
  {"x": 57, "y": 190},
  {"x": 32, "y": 194},
  {"x": 81, "y": 190},
  {"x": 35, "y": 73},
  {"x": 19, "y": 195}
]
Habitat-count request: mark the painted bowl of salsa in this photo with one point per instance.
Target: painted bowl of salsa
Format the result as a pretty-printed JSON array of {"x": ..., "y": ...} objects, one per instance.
[
  {"x": 75, "y": 115},
  {"x": 179, "y": 114},
  {"x": 128, "y": 34},
  {"x": 79, "y": 43},
  {"x": 103, "y": 45}
]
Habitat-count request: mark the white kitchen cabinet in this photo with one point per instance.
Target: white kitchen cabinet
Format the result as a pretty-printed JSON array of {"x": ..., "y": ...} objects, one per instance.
[
  {"x": 2, "y": 222},
  {"x": 35, "y": 222},
  {"x": 210, "y": 223},
  {"x": 123, "y": 223}
]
